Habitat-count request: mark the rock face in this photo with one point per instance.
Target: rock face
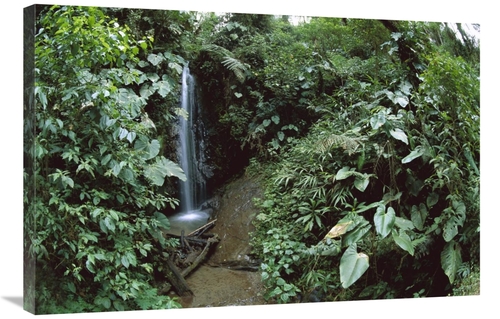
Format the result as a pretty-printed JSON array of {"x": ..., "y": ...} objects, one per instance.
[
  {"x": 234, "y": 221},
  {"x": 224, "y": 279}
]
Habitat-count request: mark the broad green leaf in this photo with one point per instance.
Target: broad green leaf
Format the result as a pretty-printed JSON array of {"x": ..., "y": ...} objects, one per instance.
[
  {"x": 417, "y": 152},
  {"x": 344, "y": 173},
  {"x": 456, "y": 218},
  {"x": 266, "y": 122},
  {"x": 71, "y": 287},
  {"x": 398, "y": 98},
  {"x": 418, "y": 216},
  {"x": 131, "y": 258},
  {"x": 123, "y": 133},
  {"x": 149, "y": 149},
  {"x": 125, "y": 261},
  {"x": 356, "y": 234},
  {"x": 281, "y": 135},
  {"x": 110, "y": 224},
  {"x": 162, "y": 219},
  {"x": 399, "y": 135},
  {"x": 403, "y": 240},
  {"x": 378, "y": 120},
  {"x": 106, "y": 302},
  {"x": 175, "y": 66},
  {"x": 352, "y": 266},
  {"x": 275, "y": 119},
  {"x": 67, "y": 181},
  {"x": 384, "y": 221},
  {"x": 460, "y": 210},
  {"x": 131, "y": 136},
  {"x": 432, "y": 199},
  {"x": 155, "y": 59},
  {"x": 450, "y": 230},
  {"x": 147, "y": 90},
  {"x": 153, "y": 77},
  {"x": 105, "y": 159},
  {"x": 127, "y": 175},
  {"x": 238, "y": 95},
  {"x": 162, "y": 168},
  {"x": 164, "y": 88},
  {"x": 451, "y": 259},
  {"x": 361, "y": 183}
]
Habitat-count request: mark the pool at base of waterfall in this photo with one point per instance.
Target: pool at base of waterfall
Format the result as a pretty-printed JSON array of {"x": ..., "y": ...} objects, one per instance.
[{"x": 188, "y": 221}]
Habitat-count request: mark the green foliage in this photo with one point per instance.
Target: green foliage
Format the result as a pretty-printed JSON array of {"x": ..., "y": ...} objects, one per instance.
[
  {"x": 96, "y": 225},
  {"x": 352, "y": 266},
  {"x": 367, "y": 130},
  {"x": 389, "y": 167}
]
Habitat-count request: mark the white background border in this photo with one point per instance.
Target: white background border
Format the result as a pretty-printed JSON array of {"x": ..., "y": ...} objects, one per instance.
[{"x": 11, "y": 46}]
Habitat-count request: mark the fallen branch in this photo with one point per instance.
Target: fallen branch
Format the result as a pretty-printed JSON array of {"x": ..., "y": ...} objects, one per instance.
[
  {"x": 204, "y": 228},
  {"x": 200, "y": 257}
]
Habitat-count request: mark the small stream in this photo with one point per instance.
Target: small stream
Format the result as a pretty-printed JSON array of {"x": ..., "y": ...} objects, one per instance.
[{"x": 215, "y": 282}]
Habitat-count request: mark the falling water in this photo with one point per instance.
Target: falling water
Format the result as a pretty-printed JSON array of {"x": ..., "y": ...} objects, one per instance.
[{"x": 192, "y": 191}]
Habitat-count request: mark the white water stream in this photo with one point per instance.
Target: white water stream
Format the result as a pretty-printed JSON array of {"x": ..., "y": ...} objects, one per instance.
[{"x": 192, "y": 191}]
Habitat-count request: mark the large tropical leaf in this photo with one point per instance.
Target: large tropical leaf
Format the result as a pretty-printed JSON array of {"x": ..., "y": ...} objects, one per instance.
[
  {"x": 378, "y": 120},
  {"x": 403, "y": 240},
  {"x": 162, "y": 168},
  {"x": 149, "y": 148},
  {"x": 416, "y": 153},
  {"x": 451, "y": 259},
  {"x": 344, "y": 173},
  {"x": 162, "y": 220},
  {"x": 352, "y": 266},
  {"x": 456, "y": 218},
  {"x": 339, "y": 229},
  {"x": 418, "y": 215},
  {"x": 399, "y": 134},
  {"x": 361, "y": 183},
  {"x": 384, "y": 221},
  {"x": 356, "y": 234}
]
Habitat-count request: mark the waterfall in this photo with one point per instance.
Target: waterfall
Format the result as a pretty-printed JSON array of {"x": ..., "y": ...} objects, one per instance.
[{"x": 192, "y": 191}]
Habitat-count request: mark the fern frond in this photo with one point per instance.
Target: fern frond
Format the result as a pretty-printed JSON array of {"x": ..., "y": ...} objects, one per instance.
[
  {"x": 229, "y": 61},
  {"x": 239, "y": 68},
  {"x": 219, "y": 51},
  {"x": 349, "y": 144}
]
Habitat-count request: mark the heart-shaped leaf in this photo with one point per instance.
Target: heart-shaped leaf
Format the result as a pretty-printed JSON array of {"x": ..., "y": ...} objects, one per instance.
[
  {"x": 451, "y": 259},
  {"x": 378, "y": 120},
  {"x": 352, "y": 266},
  {"x": 384, "y": 221},
  {"x": 418, "y": 216},
  {"x": 361, "y": 183},
  {"x": 403, "y": 240},
  {"x": 155, "y": 59}
]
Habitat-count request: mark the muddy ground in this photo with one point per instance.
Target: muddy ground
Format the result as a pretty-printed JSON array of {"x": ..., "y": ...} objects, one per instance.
[{"x": 223, "y": 280}]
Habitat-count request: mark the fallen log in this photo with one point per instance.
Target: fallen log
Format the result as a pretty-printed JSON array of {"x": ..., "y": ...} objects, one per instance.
[
  {"x": 201, "y": 256},
  {"x": 175, "y": 277}
]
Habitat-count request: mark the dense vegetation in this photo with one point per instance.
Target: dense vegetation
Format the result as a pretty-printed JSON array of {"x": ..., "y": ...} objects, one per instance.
[{"x": 364, "y": 133}]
